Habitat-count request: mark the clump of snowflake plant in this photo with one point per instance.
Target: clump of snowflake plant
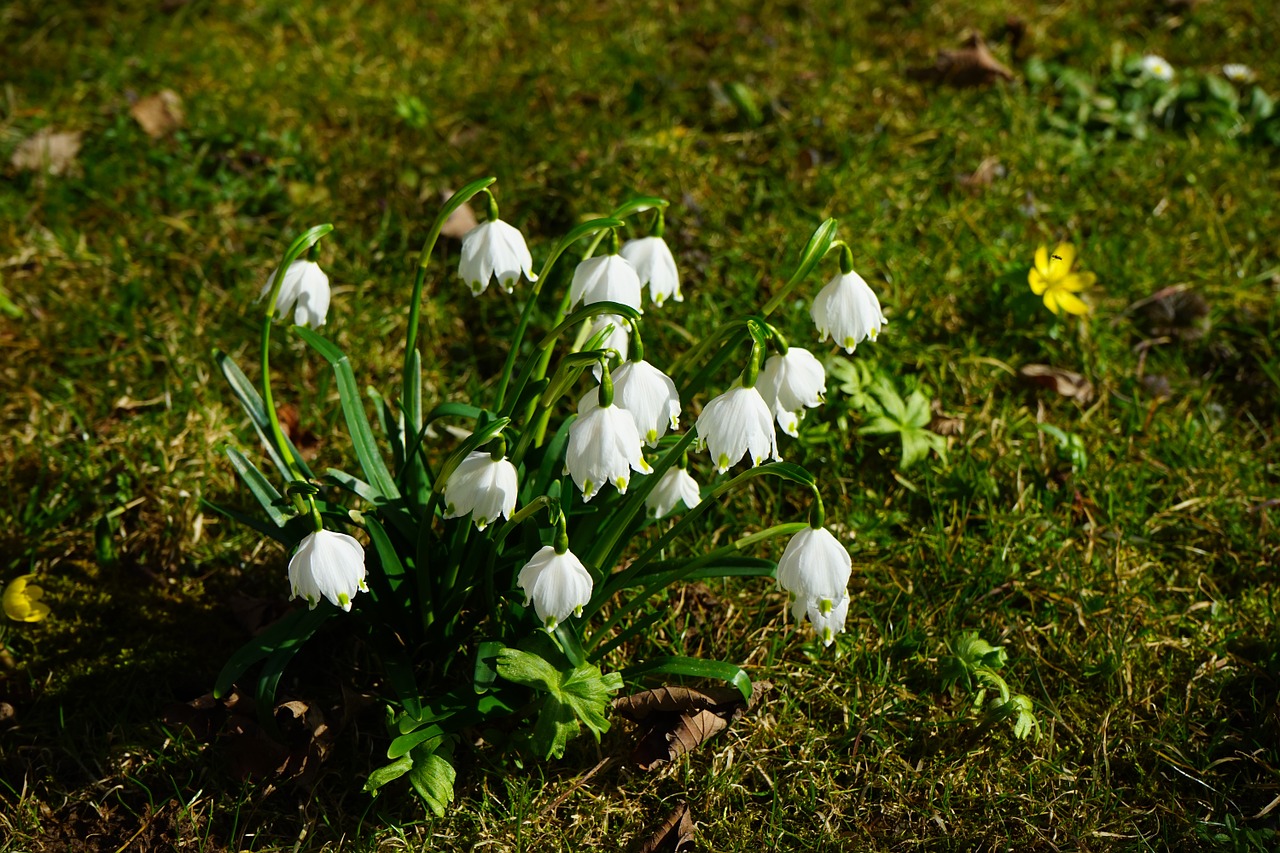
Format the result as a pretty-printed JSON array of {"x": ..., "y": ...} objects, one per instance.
[{"x": 479, "y": 572}]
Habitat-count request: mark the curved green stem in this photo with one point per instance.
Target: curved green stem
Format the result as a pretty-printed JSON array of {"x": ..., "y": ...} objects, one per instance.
[{"x": 814, "y": 251}]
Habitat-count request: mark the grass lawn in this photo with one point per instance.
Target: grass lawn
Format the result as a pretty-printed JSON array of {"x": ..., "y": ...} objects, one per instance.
[{"x": 1117, "y": 540}]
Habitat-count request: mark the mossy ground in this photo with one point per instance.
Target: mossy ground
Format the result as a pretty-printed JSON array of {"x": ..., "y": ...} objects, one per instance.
[{"x": 1136, "y": 596}]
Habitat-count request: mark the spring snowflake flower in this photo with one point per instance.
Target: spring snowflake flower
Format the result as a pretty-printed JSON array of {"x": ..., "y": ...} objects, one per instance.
[
  {"x": 826, "y": 616},
  {"x": 648, "y": 394},
  {"x": 494, "y": 250},
  {"x": 482, "y": 486},
  {"x": 735, "y": 424},
  {"x": 305, "y": 290},
  {"x": 1157, "y": 68},
  {"x": 1238, "y": 73},
  {"x": 557, "y": 584},
  {"x": 847, "y": 311},
  {"x": 1052, "y": 278},
  {"x": 790, "y": 384},
  {"x": 815, "y": 566},
  {"x": 327, "y": 565},
  {"x": 22, "y": 600},
  {"x": 656, "y": 267},
  {"x": 608, "y": 278},
  {"x": 604, "y": 447},
  {"x": 675, "y": 486}
]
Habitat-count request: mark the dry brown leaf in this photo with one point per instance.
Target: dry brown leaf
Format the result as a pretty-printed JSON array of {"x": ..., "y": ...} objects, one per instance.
[
  {"x": 676, "y": 720},
  {"x": 460, "y": 221},
  {"x": 971, "y": 65},
  {"x": 1065, "y": 382},
  {"x": 674, "y": 836},
  {"x": 1175, "y": 312},
  {"x": 988, "y": 172},
  {"x": 158, "y": 115},
  {"x": 47, "y": 150},
  {"x": 307, "y": 442}
]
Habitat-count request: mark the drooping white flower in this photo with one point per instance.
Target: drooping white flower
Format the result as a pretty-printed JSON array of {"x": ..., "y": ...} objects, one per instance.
[
  {"x": 826, "y": 616},
  {"x": 656, "y": 267},
  {"x": 557, "y": 584},
  {"x": 607, "y": 278},
  {"x": 674, "y": 486},
  {"x": 1238, "y": 73},
  {"x": 482, "y": 486},
  {"x": 604, "y": 447},
  {"x": 847, "y": 310},
  {"x": 1157, "y": 67},
  {"x": 648, "y": 394},
  {"x": 327, "y": 565},
  {"x": 305, "y": 289},
  {"x": 494, "y": 250},
  {"x": 737, "y": 423},
  {"x": 815, "y": 566},
  {"x": 791, "y": 383}
]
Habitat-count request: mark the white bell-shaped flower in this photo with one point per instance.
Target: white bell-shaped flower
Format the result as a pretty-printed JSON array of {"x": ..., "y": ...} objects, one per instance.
[
  {"x": 737, "y": 423},
  {"x": 607, "y": 278},
  {"x": 791, "y": 383},
  {"x": 483, "y": 486},
  {"x": 648, "y": 394},
  {"x": 557, "y": 584},
  {"x": 305, "y": 289},
  {"x": 327, "y": 565},
  {"x": 826, "y": 616},
  {"x": 604, "y": 447},
  {"x": 494, "y": 250},
  {"x": 847, "y": 311},
  {"x": 815, "y": 565},
  {"x": 656, "y": 267},
  {"x": 675, "y": 486}
]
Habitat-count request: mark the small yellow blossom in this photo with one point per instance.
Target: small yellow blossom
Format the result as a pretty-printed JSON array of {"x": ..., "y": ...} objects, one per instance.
[
  {"x": 22, "y": 600},
  {"x": 1053, "y": 279}
]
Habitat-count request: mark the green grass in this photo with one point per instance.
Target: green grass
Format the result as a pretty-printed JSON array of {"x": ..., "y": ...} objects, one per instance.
[{"x": 1135, "y": 597}]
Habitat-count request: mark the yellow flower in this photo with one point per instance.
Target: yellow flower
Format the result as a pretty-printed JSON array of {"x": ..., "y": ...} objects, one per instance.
[
  {"x": 1053, "y": 279},
  {"x": 22, "y": 600}
]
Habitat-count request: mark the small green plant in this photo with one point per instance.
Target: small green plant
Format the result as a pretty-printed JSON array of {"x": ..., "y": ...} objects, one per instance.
[
  {"x": 887, "y": 413},
  {"x": 975, "y": 665}
]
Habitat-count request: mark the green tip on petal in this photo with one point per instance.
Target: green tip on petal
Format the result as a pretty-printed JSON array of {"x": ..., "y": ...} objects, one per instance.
[
  {"x": 621, "y": 483},
  {"x": 549, "y": 624},
  {"x": 723, "y": 462},
  {"x": 343, "y": 600},
  {"x": 851, "y": 345},
  {"x": 651, "y": 436}
]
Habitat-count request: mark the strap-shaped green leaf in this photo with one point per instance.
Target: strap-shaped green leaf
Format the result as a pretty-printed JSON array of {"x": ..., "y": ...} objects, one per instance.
[
  {"x": 290, "y": 632},
  {"x": 403, "y": 744},
  {"x": 264, "y": 527},
  {"x": 262, "y": 489},
  {"x": 252, "y": 404},
  {"x": 387, "y": 773},
  {"x": 694, "y": 667},
  {"x": 371, "y": 462}
]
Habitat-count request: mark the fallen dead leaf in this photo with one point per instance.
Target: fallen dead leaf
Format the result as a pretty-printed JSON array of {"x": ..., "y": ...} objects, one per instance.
[
  {"x": 1065, "y": 382},
  {"x": 943, "y": 424},
  {"x": 1175, "y": 312},
  {"x": 158, "y": 115},
  {"x": 971, "y": 65},
  {"x": 460, "y": 221},
  {"x": 674, "y": 836},
  {"x": 47, "y": 150},
  {"x": 676, "y": 720},
  {"x": 988, "y": 172}
]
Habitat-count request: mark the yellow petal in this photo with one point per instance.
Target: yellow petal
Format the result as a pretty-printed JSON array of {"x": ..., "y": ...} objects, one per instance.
[
  {"x": 1085, "y": 280},
  {"x": 1042, "y": 259},
  {"x": 1072, "y": 304},
  {"x": 1051, "y": 300},
  {"x": 1067, "y": 253},
  {"x": 1037, "y": 281}
]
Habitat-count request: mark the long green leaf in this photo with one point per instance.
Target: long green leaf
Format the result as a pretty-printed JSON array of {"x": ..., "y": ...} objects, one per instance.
[
  {"x": 693, "y": 667},
  {"x": 371, "y": 462},
  {"x": 251, "y": 402},
  {"x": 267, "y": 529},
  {"x": 290, "y": 632},
  {"x": 262, "y": 489}
]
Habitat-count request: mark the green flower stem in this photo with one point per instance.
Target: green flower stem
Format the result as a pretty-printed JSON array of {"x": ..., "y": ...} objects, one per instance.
[
  {"x": 666, "y": 578},
  {"x": 583, "y": 230},
  {"x": 566, "y": 374},
  {"x": 752, "y": 373},
  {"x": 814, "y": 251},
  {"x": 817, "y": 513},
  {"x": 455, "y": 201}
]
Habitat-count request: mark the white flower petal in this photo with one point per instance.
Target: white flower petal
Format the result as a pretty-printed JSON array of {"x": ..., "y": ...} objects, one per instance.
[
  {"x": 848, "y": 311},
  {"x": 482, "y": 487},
  {"x": 815, "y": 565},
  {"x": 494, "y": 250},
  {"x": 305, "y": 290},
  {"x": 793, "y": 381},
  {"x": 557, "y": 584},
  {"x": 327, "y": 565},
  {"x": 655, "y": 267},
  {"x": 675, "y": 486},
  {"x": 738, "y": 423},
  {"x": 647, "y": 394},
  {"x": 604, "y": 447},
  {"x": 607, "y": 278}
]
